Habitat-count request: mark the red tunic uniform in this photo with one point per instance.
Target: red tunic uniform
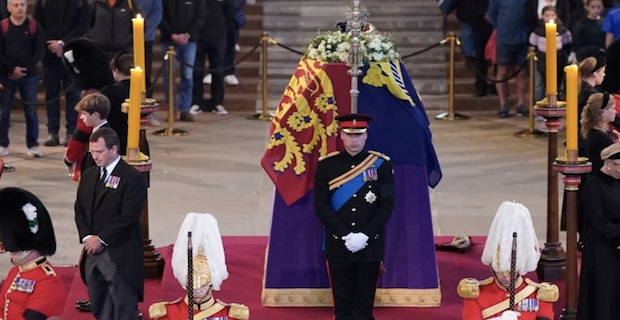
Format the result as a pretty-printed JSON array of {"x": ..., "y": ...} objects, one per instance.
[
  {"x": 178, "y": 310},
  {"x": 77, "y": 147},
  {"x": 32, "y": 290},
  {"x": 531, "y": 308}
]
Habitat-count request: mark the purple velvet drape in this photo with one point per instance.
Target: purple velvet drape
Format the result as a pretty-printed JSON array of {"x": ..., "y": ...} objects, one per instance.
[{"x": 295, "y": 258}]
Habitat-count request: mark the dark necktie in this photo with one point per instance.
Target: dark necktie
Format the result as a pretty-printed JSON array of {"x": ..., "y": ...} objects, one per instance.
[{"x": 103, "y": 175}]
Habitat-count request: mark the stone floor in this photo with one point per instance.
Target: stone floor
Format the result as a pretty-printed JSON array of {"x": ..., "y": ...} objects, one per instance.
[{"x": 216, "y": 169}]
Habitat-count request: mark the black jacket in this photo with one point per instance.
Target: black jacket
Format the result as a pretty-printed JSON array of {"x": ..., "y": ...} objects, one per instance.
[
  {"x": 220, "y": 15},
  {"x": 113, "y": 214},
  {"x": 61, "y": 20},
  {"x": 110, "y": 27},
  {"x": 117, "y": 93},
  {"x": 18, "y": 47},
  {"x": 367, "y": 211},
  {"x": 186, "y": 16},
  {"x": 472, "y": 12}
]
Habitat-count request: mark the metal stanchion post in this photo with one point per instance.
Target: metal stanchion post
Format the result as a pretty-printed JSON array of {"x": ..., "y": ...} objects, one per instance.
[
  {"x": 170, "y": 131},
  {"x": 531, "y": 132},
  {"x": 450, "y": 115},
  {"x": 264, "y": 115}
]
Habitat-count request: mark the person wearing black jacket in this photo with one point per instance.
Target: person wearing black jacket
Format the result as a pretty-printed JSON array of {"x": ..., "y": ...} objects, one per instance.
[
  {"x": 21, "y": 48},
  {"x": 474, "y": 13},
  {"x": 212, "y": 43},
  {"x": 354, "y": 199},
  {"x": 61, "y": 21},
  {"x": 110, "y": 25},
  {"x": 117, "y": 93},
  {"x": 180, "y": 28}
]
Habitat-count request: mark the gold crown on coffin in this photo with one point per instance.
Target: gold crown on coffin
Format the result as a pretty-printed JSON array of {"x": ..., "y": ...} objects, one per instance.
[{"x": 201, "y": 272}]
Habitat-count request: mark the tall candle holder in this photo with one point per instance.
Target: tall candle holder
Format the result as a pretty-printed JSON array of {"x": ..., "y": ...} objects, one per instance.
[
  {"x": 572, "y": 167},
  {"x": 139, "y": 159},
  {"x": 553, "y": 259}
]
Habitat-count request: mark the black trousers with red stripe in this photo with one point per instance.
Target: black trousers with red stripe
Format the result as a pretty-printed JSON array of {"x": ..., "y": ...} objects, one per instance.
[{"x": 353, "y": 285}]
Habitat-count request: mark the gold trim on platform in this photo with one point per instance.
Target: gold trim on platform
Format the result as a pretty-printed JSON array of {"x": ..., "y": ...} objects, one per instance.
[
  {"x": 408, "y": 297},
  {"x": 323, "y": 297},
  {"x": 297, "y": 297}
]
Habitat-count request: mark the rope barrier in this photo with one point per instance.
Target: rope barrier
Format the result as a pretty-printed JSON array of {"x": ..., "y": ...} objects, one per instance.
[
  {"x": 275, "y": 42},
  {"x": 484, "y": 76},
  {"x": 62, "y": 93},
  {"x": 221, "y": 69},
  {"x": 423, "y": 50}
]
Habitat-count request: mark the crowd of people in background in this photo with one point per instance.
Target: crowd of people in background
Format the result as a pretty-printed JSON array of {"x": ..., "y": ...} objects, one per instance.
[
  {"x": 196, "y": 29},
  {"x": 499, "y": 32}
]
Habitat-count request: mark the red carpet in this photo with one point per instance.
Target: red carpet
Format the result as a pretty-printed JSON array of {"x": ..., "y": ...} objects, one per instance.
[{"x": 245, "y": 259}]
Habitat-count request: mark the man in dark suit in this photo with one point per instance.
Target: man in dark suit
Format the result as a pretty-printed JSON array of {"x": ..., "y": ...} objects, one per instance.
[
  {"x": 354, "y": 198},
  {"x": 107, "y": 213}
]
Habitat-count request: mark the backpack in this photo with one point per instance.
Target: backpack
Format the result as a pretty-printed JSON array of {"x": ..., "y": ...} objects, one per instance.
[{"x": 32, "y": 26}]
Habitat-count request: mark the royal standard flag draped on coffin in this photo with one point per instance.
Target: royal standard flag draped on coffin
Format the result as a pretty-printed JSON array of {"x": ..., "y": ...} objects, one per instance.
[{"x": 303, "y": 128}]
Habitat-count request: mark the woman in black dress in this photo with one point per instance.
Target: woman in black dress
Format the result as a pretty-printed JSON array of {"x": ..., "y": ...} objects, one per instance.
[
  {"x": 597, "y": 113},
  {"x": 599, "y": 289}
]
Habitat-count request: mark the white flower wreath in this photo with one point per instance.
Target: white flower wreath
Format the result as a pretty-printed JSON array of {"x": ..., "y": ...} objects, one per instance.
[
  {"x": 31, "y": 214},
  {"x": 335, "y": 47}
]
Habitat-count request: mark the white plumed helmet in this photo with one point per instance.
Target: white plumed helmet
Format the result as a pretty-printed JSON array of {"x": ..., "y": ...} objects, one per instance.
[
  {"x": 511, "y": 217},
  {"x": 208, "y": 251}
]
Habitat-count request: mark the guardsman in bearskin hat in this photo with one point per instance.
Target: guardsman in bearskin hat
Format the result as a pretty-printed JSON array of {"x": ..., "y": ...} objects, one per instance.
[
  {"x": 32, "y": 290},
  {"x": 88, "y": 65},
  {"x": 208, "y": 272},
  {"x": 509, "y": 255}
]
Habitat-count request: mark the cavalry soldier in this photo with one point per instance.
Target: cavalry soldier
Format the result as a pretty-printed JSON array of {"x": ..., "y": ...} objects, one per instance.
[
  {"x": 490, "y": 298},
  {"x": 354, "y": 198},
  {"x": 208, "y": 271}
]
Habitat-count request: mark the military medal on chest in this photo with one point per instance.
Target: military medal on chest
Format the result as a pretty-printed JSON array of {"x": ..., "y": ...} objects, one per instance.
[
  {"x": 370, "y": 197},
  {"x": 371, "y": 174},
  {"x": 527, "y": 305},
  {"x": 23, "y": 285}
]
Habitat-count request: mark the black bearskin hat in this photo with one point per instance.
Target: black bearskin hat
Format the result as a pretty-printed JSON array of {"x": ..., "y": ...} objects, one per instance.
[
  {"x": 25, "y": 223},
  {"x": 611, "y": 83},
  {"x": 88, "y": 64}
]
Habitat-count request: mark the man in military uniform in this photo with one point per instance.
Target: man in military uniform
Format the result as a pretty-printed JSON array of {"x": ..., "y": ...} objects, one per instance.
[
  {"x": 32, "y": 290},
  {"x": 490, "y": 298},
  {"x": 208, "y": 272},
  {"x": 354, "y": 198}
]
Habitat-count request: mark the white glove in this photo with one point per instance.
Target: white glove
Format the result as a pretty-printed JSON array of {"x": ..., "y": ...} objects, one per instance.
[
  {"x": 356, "y": 241},
  {"x": 347, "y": 241},
  {"x": 509, "y": 315}
]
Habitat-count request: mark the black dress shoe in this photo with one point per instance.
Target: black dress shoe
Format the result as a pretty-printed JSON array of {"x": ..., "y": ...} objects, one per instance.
[{"x": 83, "y": 306}]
